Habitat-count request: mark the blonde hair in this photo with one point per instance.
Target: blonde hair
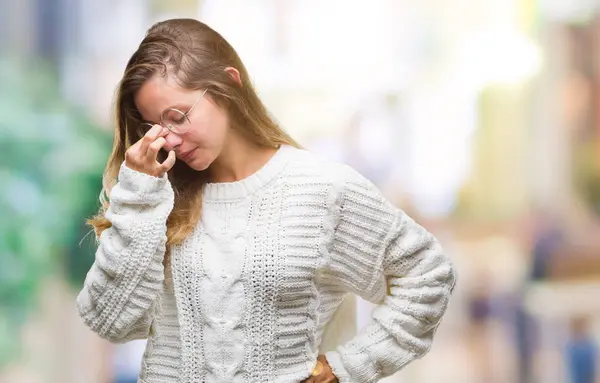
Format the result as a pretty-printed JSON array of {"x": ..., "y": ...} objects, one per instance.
[{"x": 196, "y": 56}]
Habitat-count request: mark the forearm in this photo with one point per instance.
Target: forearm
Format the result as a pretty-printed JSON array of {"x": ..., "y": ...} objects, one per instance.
[{"x": 127, "y": 276}]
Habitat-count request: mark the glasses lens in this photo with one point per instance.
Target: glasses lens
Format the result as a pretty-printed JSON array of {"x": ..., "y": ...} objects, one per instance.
[{"x": 176, "y": 121}]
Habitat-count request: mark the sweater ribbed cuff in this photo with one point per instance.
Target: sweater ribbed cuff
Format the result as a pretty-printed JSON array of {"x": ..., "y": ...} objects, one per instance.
[
  {"x": 335, "y": 362},
  {"x": 139, "y": 182}
]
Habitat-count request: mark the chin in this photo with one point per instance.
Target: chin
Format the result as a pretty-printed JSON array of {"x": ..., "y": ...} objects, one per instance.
[{"x": 200, "y": 164}]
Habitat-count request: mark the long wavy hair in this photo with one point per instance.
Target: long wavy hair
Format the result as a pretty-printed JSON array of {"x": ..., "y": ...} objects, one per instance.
[{"x": 196, "y": 56}]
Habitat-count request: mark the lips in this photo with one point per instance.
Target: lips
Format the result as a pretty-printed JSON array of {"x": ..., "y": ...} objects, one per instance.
[{"x": 187, "y": 155}]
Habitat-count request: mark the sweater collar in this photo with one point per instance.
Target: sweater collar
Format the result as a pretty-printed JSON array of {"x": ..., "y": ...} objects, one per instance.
[{"x": 222, "y": 191}]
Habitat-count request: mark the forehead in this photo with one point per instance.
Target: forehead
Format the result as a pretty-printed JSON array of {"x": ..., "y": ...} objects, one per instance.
[{"x": 156, "y": 95}]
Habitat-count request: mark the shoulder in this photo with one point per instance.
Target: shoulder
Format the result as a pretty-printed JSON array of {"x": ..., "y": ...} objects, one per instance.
[
  {"x": 313, "y": 168},
  {"x": 355, "y": 198}
]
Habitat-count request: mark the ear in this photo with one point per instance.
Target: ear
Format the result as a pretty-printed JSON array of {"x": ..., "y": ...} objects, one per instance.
[{"x": 235, "y": 75}]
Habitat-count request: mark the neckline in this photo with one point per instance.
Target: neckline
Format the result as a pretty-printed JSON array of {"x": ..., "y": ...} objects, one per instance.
[{"x": 221, "y": 191}]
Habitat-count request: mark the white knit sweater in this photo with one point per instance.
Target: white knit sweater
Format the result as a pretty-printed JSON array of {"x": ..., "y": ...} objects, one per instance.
[{"x": 248, "y": 294}]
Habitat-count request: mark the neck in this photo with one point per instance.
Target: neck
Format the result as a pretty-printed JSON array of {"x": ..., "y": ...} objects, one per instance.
[{"x": 239, "y": 159}]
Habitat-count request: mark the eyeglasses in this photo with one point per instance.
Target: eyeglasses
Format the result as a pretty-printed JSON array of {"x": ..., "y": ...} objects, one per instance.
[{"x": 173, "y": 119}]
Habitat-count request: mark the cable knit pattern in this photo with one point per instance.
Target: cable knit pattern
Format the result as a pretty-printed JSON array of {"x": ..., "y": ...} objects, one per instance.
[{"x": 257, "y": 282}]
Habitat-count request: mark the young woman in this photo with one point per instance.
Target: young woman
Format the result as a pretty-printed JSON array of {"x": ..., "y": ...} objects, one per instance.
[{"x": 230, "y": 248}]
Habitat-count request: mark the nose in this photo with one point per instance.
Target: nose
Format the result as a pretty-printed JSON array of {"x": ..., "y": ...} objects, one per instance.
[{"x": 173, "y": 141}]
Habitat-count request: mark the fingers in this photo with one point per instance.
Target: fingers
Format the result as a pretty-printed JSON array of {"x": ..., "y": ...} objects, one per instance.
[
  {"x": 155, "y": 132},
  {"x": 169, "y": 162},
  {"x": 142, "y": 156},
  {"x": 154, "y": 148}
]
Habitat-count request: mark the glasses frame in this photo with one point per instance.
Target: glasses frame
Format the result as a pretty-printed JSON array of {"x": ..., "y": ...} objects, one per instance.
[{"x": 175, "y": 129}]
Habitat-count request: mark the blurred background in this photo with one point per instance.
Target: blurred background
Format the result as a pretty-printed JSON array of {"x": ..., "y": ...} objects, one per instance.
[{"x": 480, "y": 118}]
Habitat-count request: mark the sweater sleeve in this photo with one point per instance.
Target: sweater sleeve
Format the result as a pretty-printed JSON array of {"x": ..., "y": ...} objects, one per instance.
[
  {"x": 382, "y": 255},
  {"x": 122, "y": 286}
]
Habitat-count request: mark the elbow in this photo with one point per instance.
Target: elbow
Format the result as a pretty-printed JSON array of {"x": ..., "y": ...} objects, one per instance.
[
  {"x": 111, "y": 333},
  {"x": 444, "y": 277},
  {"x": 446, "y": 282},
  {"x": 417, "y": 302},
  {"x": 119, "y": 330},
  {"x": 93, "y": 319},
  {"x": 439, "y": 271},
  {"x": 448, "y": 276}
]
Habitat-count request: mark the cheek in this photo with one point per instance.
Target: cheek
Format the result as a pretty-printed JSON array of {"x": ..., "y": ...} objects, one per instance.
[
  {"x": 210, "y": 134},
  {"x": 199, "y": 133},
  {"x": 217, "y": 122}
]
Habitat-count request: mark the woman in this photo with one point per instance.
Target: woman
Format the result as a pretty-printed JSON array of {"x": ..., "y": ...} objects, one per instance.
[{"x": 229, "y": 248}]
